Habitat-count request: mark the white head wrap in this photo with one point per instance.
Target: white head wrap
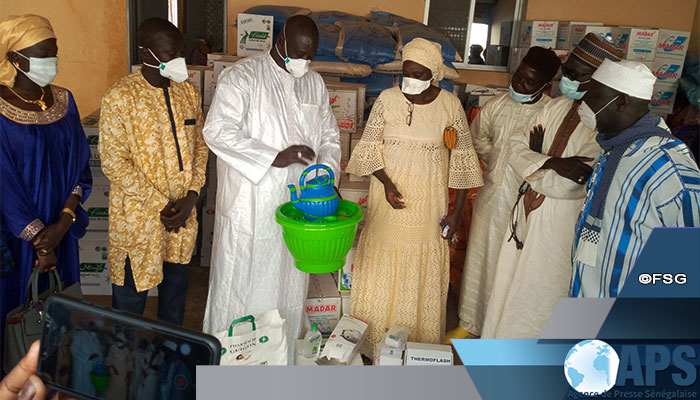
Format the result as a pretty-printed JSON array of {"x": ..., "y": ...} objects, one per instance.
[
  {"x": 425, "y": 53},
  {"x": 630, "y": 77}
]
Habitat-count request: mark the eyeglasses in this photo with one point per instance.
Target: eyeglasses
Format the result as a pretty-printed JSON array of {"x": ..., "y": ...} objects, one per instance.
[{"x": 409, "y": 117}]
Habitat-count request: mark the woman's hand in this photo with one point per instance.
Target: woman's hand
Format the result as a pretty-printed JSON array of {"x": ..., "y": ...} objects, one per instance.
[
  {"x": 46, "y": 261},
  {"x": 393, "y": 197},
  {"x": 452, "y": 220},
  {"x": 49, "y": 237}
]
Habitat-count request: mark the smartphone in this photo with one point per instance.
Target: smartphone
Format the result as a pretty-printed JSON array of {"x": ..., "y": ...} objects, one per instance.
[{"x": 94, "y": 352}]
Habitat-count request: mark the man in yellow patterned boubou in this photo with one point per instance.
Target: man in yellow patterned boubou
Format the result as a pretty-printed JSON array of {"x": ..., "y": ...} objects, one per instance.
[{"x": 152, "y": 150}]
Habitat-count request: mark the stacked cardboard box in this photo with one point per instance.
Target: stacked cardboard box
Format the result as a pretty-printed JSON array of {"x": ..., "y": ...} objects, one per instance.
[
  {"x": 538, "y": 33},
  {"x": 669, "y": 57},
  {"x": 662, "y": 50},
  {"x": 570, "y": 33},
  {"x": 208, "y": 213},
  {"x": 93, "y": 247},
  {"x": 323, "y": 304},
  {"x": 254, "y": 34}
]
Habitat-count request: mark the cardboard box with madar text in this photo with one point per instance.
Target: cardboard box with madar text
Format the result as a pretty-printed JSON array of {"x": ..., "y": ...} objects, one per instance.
[
  {"x": 538, "y": 33},
  {"x": 663, "y": 98},
  {"x": 323, "y": 302},
  {"x": 672, "y": 44},
  {"x": 667, "y": 69}
]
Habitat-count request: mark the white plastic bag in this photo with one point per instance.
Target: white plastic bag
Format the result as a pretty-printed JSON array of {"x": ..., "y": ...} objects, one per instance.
[{"x": 265, "y": 344}]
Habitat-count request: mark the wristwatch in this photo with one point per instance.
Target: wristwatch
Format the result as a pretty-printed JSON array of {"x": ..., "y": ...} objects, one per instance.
[{"x": 70, "y": 213}]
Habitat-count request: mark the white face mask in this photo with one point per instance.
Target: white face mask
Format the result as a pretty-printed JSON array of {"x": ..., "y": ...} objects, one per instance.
[
  {"x": 588, "y": 117},
  {"x": 175, "y": 69},
  {"x": 298, "y": 67},
  {"x": 413, "y": 86},
  {"x": 42, "y": 71}
]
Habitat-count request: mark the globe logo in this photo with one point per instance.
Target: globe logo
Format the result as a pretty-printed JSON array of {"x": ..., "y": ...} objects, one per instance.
[{"x": 591, "y": 367}]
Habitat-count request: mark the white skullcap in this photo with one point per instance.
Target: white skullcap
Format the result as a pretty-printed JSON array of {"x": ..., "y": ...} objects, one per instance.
[
  {"x": 630, "y": 77},
  {"x": 170, "y": 345}
]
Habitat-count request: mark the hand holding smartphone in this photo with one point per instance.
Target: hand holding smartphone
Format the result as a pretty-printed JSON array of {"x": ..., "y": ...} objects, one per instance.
[{"x": 94, "y": 352}]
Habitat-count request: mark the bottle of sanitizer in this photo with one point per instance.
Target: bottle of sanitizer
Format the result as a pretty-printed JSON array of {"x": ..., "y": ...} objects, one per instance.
[{"x": 312, "y": 342}]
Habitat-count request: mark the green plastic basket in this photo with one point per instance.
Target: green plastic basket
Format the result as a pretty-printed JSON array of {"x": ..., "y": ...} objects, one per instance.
[
  {"x": 320, "y": 247},
  {"x": 100, "y": 382}
]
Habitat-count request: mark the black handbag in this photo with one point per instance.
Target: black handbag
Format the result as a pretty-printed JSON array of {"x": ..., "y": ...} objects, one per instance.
[{"x": 23, "y": 324}]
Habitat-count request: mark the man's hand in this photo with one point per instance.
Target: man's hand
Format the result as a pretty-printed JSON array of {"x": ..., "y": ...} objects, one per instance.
[
  {"x": 49, "y": 237},
  {"x": 536, "y": 138},
  {"x": 573, "y": 168},
  {"x": 293, "y": 155},
  {"x": 175, "y": 216},
  {"x": 393, "y": 197},
  {"x": 46, "y": 261}
]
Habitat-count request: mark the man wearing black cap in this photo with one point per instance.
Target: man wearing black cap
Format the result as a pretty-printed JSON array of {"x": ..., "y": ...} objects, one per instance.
[
  {"x": 491, "y": 132},
  {"x": 553, "y": 163}
]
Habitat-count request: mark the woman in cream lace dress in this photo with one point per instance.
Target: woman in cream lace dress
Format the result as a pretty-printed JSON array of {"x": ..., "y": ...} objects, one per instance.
[{"x": 401, "y": 273}]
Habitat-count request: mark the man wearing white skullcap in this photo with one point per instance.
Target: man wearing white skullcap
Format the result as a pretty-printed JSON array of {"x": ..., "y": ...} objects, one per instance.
[
  {"x": 646, "y": 178},
  {"x": 552, "y": 164}
]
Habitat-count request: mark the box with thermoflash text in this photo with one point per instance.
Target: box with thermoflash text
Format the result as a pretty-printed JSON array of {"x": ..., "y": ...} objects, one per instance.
[{"x": 428, "y": 354}]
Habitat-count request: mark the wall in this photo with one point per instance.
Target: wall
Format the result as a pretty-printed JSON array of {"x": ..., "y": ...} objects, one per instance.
[
  {"x": 92, "y": 46},
  {"x": 695, "y": 34},
  {"x": 676, "y": 14}
]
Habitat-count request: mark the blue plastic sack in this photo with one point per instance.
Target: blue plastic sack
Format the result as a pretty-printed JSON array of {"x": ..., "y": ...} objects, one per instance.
[
  {"x": 368, "y": 43},
  {"x": 447, "y": 84},
  {"x": 376, "y": 83},
  {"x": 327, "y": 40},
  {"x": 691, "y": 89},
  {"x": 388, "y": 19},
  {"x": 333, "y": 59},
  {"x": 330, "y": 17},
  {"x": 412, "y": 31}
]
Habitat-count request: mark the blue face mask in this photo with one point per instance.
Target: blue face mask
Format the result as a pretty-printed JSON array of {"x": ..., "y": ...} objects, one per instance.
[
  {"x": 569, "y": 88},
  {"x": 523, "y": 98}
]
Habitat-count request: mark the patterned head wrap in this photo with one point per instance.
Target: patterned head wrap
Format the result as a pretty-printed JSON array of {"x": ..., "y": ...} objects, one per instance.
[
  {"x": 18, "y": 32},
  {"x": 592, "y": 50},
  {"x": 425, "y": 53}
]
